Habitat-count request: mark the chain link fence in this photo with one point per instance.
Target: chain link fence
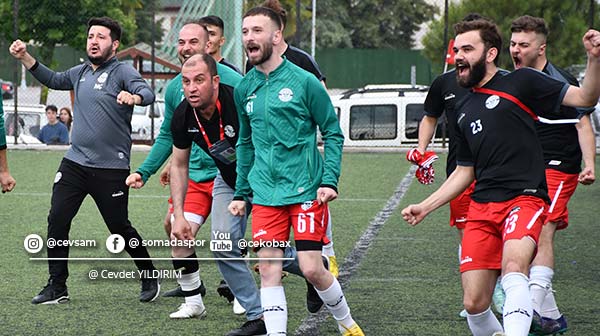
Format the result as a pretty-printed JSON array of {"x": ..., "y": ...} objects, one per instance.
[{"x": 25, "y": 97}]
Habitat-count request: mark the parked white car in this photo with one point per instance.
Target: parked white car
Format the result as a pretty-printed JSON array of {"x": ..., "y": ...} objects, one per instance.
[
  {"x": 381, "y": 115},
  {"x": 141, "y": 121},
  {"x": 32, "y": 117}
]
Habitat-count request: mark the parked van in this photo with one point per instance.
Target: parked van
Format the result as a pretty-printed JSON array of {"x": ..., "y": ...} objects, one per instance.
[
  {"x": 382, "y": 115},
  {"x": 141, "y": 121}
]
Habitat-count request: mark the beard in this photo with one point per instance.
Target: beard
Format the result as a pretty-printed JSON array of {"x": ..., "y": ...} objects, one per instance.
[
  {"x": 476, "y": 74},
  {"x": 102, "y": 58},
  {"x": 268, "y": 51}
]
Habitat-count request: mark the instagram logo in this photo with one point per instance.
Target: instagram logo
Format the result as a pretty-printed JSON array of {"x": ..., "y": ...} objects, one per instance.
[{"x": 33, "y": 243}]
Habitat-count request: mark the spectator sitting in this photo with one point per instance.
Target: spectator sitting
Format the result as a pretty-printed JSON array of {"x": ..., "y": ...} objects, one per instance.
[
  {"x": 54, "y": 133},
  {"x": 66, "y": 117}
]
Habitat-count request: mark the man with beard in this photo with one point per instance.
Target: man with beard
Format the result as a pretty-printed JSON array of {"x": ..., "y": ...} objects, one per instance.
[
  {"x": 442, "y": 97},
  {"x": 280, "y": 107},
  {"x": 565, "y": 143},
  {"x": 192, "y": 40},
  {"x": 499, "y": 148},
  {"x": 98, "y": 161}
]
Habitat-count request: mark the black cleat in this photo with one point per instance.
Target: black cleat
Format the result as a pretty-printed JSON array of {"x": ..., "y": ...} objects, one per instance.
[
  {"x": 250, "y": 328},
  {"x": 225, "y": 291},
  {"x": 52, "y": 294},
  {"x": 178, "y": 292},
  {"x": 150, "y": 289}
]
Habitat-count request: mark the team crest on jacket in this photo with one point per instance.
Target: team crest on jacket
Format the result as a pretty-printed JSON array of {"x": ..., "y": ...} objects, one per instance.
[
  {"x": 492, "y": 102},
  {"x": 229, "y": 131},
  {"x": 286, "y": 94},
  {"x": 307, "y": 205},
  {"x": 100, "y": 81}
]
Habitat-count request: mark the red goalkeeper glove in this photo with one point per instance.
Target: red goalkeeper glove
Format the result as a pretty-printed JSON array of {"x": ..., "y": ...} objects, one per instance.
[{"x": 425, "y": 175}]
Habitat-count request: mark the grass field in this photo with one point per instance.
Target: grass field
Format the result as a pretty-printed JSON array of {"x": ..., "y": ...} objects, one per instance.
[{"x": 407, "y": 282}]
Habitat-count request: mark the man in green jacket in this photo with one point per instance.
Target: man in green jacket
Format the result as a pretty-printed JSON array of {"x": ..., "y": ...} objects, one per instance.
[{"x": 280, "y": 106}]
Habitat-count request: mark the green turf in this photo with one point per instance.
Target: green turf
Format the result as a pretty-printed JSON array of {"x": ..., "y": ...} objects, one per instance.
[{"x": 408, "y": 283}]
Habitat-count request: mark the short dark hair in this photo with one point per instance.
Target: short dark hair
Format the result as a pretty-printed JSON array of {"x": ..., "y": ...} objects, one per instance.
[
  {"x": 271, "y": 14},
  {"x": 52, "y": 108},
  {"x": 212, "y": 20},
  {"x": 473, "y": 17},
  {"x": 527, "y": 23},
  {"x": 105, "y": 21},
  {"x": 488, "y": 31},
  {"x": 276, "y": 6},
  {"x": 206, "y": 58}
]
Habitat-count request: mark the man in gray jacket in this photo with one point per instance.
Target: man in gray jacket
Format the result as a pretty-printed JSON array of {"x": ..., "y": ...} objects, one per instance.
[{"x": 98, "y": 161}]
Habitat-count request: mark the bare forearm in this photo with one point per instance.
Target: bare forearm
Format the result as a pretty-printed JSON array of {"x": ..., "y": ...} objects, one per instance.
[
  {"x": 426, "y": 130},
  {"x": 587, "y": 141},
  {"x": 456, "y": 183},
  {"x": 3, "y": 161}
]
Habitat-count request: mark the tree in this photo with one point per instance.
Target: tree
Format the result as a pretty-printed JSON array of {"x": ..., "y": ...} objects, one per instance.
[
  {"x": 51, "y": 22},
  {"x": 387, "y": 23},
  {"x": 566, "y": 21}
]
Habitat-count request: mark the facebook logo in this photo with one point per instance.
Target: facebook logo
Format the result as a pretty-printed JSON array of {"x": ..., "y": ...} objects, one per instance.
[{"x": 115, "y": 243}]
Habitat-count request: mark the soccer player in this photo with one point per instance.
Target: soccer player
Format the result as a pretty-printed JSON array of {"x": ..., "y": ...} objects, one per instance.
[
  {"x": 564, "y": 145},
  {"x": 97, "y": 162},
  {"x": 216, "y": 39},
  {"x": 280, "y": 107},
  {"x": 7, "y": 182},
  {"x": 441, "y": 98},
  {"x": 305, "y": 61},
  {"x": 498, "y": 148},
  {"x": 193, "y": 38}
]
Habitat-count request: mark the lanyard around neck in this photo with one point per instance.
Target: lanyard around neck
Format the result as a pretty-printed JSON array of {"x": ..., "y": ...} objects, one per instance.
[{"x": 221, "y": 131}]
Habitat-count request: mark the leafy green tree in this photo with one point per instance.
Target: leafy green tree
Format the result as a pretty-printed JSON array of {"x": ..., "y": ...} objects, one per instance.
[
  {"x": 387, "y": 23},
  {"x": 566, "y": 21}
]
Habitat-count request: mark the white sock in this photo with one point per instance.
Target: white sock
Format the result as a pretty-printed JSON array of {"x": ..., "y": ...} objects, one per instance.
[
  {"x": 484, "y": 324},
  {"x": 517, "y": 307},
  {"x": 549, "y": 308},
  {"x": 459, "y": 252},
  {"x": 540, "y": 282},
  {"x": 190, "y": 282},
  {"x": 335, "y": 301},
  {"x": 328, "y": 250},
  {"x": 274, "y": 310}
]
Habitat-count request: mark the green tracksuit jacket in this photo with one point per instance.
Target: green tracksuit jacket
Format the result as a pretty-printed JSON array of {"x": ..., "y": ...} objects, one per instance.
[{"x": 277, "y": 156}]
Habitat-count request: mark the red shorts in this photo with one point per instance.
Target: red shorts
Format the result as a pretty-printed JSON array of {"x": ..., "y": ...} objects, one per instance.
[
  {"x": 459, "y": 207},
  {"x": 198, "y": 201},
  {"x": 309, "y": 221},
  {"x": 490, "y": 224},
  {"x": 561, "y": 187}
]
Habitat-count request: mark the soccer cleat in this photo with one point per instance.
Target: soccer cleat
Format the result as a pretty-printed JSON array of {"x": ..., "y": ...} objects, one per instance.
[
  {"x": 463, "y": 313},
  {"x": 237, "y": 307},
  {"x": 333, "y": 266},
  {"x": 225, "y": 291},
  {"x": 536, "y": 324},
  {"x": 52, "y": 294},
  {"x": 186, "y": 311},
  {"x": 554, "y": 327},
  {"x": 178, "y": 292},
  {"x": 150, "y": 290},
  {"x": 498, "y": 298},
  {"x": 250, "y": 328},
  {"x": 354, "y": 330}
]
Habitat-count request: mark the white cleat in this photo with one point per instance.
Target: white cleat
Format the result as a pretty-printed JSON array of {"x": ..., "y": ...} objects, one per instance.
[
  {"x": 188, "y": 311},
  {"x": 237, "y": 307}
]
